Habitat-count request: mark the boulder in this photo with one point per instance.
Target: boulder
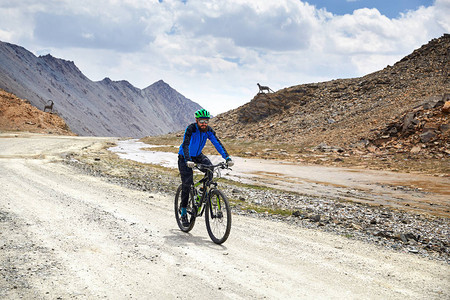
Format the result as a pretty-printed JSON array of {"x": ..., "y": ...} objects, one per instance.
[
  {"x": 415, "y": 149},
  {"x": 444, "y": 127},
  {"x": 446, "y": 107},
  {"x": 408, "y": 121},
  {"x": 427, "y": 136}
]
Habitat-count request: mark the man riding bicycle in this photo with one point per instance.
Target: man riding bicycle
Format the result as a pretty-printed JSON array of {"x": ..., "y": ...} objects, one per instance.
[{"x": 190, "y": 153}]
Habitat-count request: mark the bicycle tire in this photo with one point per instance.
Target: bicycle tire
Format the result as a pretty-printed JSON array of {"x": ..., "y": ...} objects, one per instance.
[
  {"x": 191, "y": 210},
  {"x": 218, "y": 216}
]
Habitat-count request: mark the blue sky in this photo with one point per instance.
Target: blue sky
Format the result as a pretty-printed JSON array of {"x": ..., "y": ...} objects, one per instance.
[
  {"x": 215, "y": 51},
  {"x": 389, "y": 8}
]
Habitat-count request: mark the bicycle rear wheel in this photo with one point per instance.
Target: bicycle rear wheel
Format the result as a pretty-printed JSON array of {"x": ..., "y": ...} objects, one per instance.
[
  {"x": 218, "y": 216},
  {"x": 191, "y": 213}
]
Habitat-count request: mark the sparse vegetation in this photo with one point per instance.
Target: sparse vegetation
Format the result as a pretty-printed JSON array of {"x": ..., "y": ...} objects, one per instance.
[{"x": 247, "y": 206}]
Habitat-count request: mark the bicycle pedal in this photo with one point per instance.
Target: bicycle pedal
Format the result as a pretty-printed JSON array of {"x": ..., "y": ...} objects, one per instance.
[{"x": 194, "y": 210}]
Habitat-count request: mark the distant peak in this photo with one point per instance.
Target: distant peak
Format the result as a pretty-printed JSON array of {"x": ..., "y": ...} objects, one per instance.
[
  {"x": 122, "y": 82},
  {"x": 51, "y": 58},
  {"x": 159, "y": 84},
  {"x": 46, "y": 56}
]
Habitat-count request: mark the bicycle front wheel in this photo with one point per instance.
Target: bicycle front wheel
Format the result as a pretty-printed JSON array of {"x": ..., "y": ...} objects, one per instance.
[
  {"x": 218, "y": 216},
  {"x": 191, "y": 213}
]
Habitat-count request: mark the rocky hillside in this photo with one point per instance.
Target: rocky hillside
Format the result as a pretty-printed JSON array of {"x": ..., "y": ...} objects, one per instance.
[
  {"x": 19, "y": 115},
  {"x": 399, "y": 107},
  {"x": 104, "y": 108}
]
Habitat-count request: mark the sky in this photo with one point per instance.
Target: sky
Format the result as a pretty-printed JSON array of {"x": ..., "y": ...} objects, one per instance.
[{"x": 215, "y": 52}]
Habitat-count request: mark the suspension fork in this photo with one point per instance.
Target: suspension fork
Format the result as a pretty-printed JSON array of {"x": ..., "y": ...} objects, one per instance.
[{"x": 210, "y": 202}]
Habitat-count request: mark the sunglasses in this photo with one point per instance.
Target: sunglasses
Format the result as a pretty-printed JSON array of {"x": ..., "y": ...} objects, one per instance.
[{"x": 203, "y": 121}]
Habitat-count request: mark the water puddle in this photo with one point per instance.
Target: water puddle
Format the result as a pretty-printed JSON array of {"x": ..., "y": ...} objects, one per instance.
[{"x": 134, "y": 150}]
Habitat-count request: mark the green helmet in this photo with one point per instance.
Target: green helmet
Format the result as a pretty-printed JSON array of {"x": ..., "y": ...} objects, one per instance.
[{"x": 202, "y": 113}]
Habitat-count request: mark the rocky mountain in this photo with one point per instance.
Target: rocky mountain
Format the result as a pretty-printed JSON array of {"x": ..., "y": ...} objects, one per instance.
[
  {"x": 104, "y": 108},
  {"x": 19, "y": 115},
  {"x": 391, "y": 108}
]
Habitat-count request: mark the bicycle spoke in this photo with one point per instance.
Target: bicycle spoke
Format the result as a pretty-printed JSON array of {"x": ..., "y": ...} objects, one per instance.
[
  {"x": 218, "y": 218},
  {"x": 189, "y": 210}
]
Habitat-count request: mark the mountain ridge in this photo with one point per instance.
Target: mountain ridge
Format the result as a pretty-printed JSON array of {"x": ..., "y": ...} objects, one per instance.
[
  {"x": 99, "y": 108},
  {"x": 343, "y": 112}
]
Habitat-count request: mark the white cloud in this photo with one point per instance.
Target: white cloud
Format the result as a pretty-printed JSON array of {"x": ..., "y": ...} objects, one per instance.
[
  {"x": 271, "y": 25},
  {"x": 441, "y": 12},
  {"x": 215, "y": 51},
  {"x": 6, "y": 35}
]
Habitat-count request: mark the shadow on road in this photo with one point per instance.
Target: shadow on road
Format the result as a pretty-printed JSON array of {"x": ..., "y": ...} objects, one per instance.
[{"x": 180, "y": 238}]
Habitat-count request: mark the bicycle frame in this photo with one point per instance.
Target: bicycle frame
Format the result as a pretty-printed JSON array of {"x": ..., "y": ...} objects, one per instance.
[{"x": 200, "y": 203}]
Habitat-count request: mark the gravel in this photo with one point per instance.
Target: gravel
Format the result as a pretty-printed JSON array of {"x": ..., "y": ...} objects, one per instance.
[{"x": 423, "y": 235}]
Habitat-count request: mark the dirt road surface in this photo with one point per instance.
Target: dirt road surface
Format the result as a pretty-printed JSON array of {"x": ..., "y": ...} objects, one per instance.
[{"x": 67, "y": 235}]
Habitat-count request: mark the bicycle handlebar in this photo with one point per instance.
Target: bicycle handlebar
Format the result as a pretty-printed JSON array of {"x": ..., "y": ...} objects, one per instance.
[{"x": 222, "y": 165}]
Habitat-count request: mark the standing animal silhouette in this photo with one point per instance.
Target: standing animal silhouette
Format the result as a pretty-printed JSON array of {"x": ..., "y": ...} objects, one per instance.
[
  {"x": 263, "y": 88},
  {"x": 49, "y": 106}
]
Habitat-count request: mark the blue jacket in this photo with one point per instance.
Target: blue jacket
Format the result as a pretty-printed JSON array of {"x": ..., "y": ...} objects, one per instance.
[{"x": 194, "y": 140}]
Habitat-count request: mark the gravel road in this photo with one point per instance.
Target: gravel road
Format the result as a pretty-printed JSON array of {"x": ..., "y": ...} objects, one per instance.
[{"x": 68, "y": 235}]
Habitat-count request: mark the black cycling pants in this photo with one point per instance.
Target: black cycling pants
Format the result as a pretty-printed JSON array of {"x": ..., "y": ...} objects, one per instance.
[{"x": 187, "y": 175}]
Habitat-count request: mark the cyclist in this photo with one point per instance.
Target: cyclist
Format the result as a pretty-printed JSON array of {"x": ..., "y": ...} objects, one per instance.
[{"x": 190, "y": 153}]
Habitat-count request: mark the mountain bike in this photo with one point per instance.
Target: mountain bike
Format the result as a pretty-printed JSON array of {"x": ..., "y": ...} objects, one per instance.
[{"x": 205, "y": 197}]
